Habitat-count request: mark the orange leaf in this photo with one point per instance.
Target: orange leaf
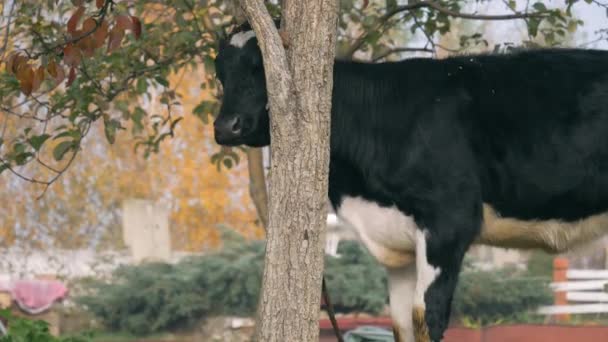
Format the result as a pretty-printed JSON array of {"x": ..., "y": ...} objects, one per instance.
[
  {"x": 116, "y": 35},
  {"x": 124, "y": 22},
  {"x": 25, "y": 75},
  {"x": 71, "y": 76},
  {"x": 99, "y": 3},
  {"x": 38, "y": 78},
  {"x": 10, "y": 61},
  {"x": 16, "y": 61},
  {"x": 100, "y": 35},
  {"x": 74, "y": 19},
  {"x": 136, "y": 27},
  {"x": 71, "y": 55},
  {"x": 56, "y": 72},
  {"x": 88, "y": 25}
]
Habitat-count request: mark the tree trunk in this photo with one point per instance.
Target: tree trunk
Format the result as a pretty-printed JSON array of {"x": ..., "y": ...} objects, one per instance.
[{"x": 299, "y": 82}]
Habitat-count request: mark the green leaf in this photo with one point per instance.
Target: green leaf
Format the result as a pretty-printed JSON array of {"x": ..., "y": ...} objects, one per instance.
[
  {"x": 539, "y": 6},
  {"x": 38, "y": 140},
  {"x": 110, "y": 128},
  {"x": 22, "y": 158},
  {"x": 62, "y": 148},
  {"x": 3, "y": 166},
  {"x": 161, "y": 80}
]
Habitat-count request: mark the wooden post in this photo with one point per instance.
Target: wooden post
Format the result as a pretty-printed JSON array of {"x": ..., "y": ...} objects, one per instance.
[{"x": 560, "y": 274}]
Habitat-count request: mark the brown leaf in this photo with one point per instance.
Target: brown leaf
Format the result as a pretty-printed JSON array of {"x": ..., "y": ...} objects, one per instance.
[
  {"x": 38, "y": 78},
  {"x": 365, "y": 3},
  {"x": 77, "y": 2},
  {"x": 25, "y": 75},
  {"x": 87, "y": 46},
  {"x": 136, "y": 27},
  {"x": 124, "y": 22},
  {"x": 74, "y": 19},
  {"x": 116, "y": 35},
  {"x": 10, "y": 61},
  {"x": 71, "y": 55},
  {"x": 100, "y": 35},
  {"x": 71, "y": 76},
  {"x": 16, "y": 61},
  {"x": 88, "y": 25},
  {"x": 60, "y": 75},
  {"x": 99, "y": 3}
]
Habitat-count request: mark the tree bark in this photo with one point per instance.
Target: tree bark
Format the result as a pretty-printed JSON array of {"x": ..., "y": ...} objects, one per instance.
[{"x": 299, "y": 82}]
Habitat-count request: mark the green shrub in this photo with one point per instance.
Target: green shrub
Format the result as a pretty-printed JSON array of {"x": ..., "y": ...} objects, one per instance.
[
  {"x": 25, "y": 330},
  {"x": 158, "y": 297},
  {"x": 153, "y": 298},
  {"x": 500, "y": 295}
]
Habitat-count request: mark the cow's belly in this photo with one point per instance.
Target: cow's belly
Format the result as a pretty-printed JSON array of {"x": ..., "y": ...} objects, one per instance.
[{"x": 387, "y": 233}]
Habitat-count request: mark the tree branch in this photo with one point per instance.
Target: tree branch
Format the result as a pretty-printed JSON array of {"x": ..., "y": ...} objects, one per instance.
[
  {"x": 275, "y": 59},
  {"x": 401, "y": 49},
  {"x": 49, "y": 49},
  {"x": 8, "y": 30},
  {"x": 437, "y": 7}
]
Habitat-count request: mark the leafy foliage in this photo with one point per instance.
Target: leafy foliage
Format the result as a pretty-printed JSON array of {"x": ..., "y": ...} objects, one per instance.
[
  {"x": 25, "y": 330},
  {"x": 500, "y": 295},
  {"x": 159, "y": 297},
  {"x": 73, "y": 64}
]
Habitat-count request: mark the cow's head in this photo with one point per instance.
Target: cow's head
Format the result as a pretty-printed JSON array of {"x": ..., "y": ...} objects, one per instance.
[{"x": 243, "y": 117}]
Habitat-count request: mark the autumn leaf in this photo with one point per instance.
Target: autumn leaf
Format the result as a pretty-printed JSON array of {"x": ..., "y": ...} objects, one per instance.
[
  {"x": 116, "y": 35},
  {"x": 136, "y": 27},
  {"x": 99, "y": 3},
  {"x": 124, "y": 22},
  {"x": 38, "y": 78},
  {"x": 71, "y": 55},
  {"x": 56, "y": 71},
  {"x": 71, "y": 76},
  {"x": 74, "y": 19},
  {"x": 25, "y": 75},
  {"x": 100, "y": 35},
  {"x": 89, "y": 25}
]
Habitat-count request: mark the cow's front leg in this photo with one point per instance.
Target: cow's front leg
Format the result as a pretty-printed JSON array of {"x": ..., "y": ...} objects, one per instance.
[
  {"x": 401, "y": 285},
  {"x": 440, "y": 250}
]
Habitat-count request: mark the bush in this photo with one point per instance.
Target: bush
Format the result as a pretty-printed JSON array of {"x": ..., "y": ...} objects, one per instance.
[
  {"x": 25, "y": 330},
  {"x": 158, "y": 297},
  {"x": 152, "y": 298},
  {"x": 500, "y": 295}
]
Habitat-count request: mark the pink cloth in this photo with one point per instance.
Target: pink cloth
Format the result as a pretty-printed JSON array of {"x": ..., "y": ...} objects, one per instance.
[{"x": 36, "y": 296}]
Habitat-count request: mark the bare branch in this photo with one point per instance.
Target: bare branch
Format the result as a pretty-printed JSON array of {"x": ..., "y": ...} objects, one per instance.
[
  {"x": 7, "y": 30},
  {"x": 383, "y": 20},
  {"x": 401, "y": 49}
]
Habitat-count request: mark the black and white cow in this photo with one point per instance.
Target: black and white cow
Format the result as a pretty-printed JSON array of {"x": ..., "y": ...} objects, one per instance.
[{"x": 422, "y": 148}]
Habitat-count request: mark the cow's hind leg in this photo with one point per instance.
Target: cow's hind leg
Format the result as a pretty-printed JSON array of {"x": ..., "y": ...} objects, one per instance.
[{"x": 401, "y": 283}]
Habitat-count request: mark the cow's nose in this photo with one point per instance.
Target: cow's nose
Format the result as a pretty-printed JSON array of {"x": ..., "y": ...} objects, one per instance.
[{"x": 230, "y": 128}]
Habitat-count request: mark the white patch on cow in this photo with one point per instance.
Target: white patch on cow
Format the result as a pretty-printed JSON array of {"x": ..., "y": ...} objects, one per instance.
[
  {"x": 388, "y": 234},
  {"x": 240, "y": 39},
  {"x": 401, "y": 286},
  {"x": 425, "y": 273}
]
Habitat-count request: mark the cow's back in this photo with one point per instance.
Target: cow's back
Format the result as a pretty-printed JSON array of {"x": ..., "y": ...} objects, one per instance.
[{"x": 540, "y": 132}]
